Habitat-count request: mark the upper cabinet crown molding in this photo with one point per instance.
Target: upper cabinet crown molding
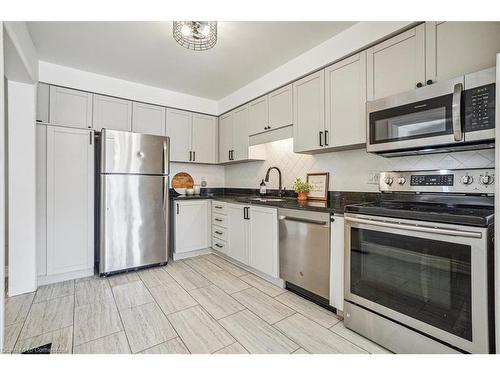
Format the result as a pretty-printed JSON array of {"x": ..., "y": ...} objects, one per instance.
[
  {"x": 70, "y": 107},
  {"x": 148, "y": 119},
  {"x": 112, "y": 113}
]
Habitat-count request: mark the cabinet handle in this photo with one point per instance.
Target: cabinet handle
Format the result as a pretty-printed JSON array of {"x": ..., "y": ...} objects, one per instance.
[
  {"x": 177, "y": 208},
  {"x": 430, "y": 82},
  {"x": 321, "y": 139},
  {"x": 419, "y": 84},
  {"x": 217, "y": 232},
  {"x": 90, "y": 137},
  {"x": 246, "y": 213},
  {"x": 326, "y": 137},
  {"x": 220, "y": 246},
  {"x": 218, "y": 219},
  {"x": 194, "y": 155},
  {"x": 219, "y": 207},
  {"x": 190, "y": 155}
]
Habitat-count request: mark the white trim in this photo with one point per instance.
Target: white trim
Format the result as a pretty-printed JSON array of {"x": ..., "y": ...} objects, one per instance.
[
  {"x": 2, "y": 194},
  {"x": 51, "y": 279},
  {"x": 190, "y": 254}
]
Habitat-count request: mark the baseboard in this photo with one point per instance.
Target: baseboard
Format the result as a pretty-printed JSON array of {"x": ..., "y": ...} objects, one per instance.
[
  {"x": 190, "y": 254},
  {"x": 50, "y": 279}
]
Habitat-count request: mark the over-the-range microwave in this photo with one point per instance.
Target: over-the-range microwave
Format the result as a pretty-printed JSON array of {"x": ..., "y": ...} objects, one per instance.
[{"x": 453, "y": 115}]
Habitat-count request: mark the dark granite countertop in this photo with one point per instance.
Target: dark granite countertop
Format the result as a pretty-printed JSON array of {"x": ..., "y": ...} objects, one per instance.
[{"x": 335, "y": 204}]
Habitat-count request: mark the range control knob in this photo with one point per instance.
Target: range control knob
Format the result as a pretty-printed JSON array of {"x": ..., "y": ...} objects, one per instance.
[
  {"x": 486, "y": 179},
  {"x": 389, "y": 180},
  {"x": 401, "y": 180},
  {"x": 466, "y": 179}
]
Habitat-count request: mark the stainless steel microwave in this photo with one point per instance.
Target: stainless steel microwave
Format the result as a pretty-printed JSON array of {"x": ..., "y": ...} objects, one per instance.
[{"x": 453, "y": 115}]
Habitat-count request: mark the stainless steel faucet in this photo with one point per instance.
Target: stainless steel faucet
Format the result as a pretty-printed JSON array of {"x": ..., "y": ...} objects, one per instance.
[{"x": 281, "y": 190}]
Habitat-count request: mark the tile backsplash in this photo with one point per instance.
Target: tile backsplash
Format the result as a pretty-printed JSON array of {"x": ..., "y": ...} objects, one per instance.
[
  {"x": 213, "y": 174},
  {"x": 353, "y": 170}
]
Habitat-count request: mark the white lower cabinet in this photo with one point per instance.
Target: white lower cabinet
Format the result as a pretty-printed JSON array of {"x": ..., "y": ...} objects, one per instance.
[
  {"x": 263, "y": 237},
  {"x": 237, "y": 236},
  {"x": 191, "y": 225},
  {"x": 337, "y": 263},
  {"x": 68, "y": 249}
]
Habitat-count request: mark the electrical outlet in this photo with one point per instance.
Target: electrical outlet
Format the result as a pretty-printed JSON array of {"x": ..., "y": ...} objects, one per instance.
[{"x": 373, "y": 177}]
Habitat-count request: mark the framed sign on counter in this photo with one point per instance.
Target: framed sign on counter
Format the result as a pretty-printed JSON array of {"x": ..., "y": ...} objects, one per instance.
[{"x": 319, "y": 181}]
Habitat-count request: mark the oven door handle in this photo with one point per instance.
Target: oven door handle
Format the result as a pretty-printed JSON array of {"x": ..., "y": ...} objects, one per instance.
[
  {"x": 455, "y": 112},
  {"x": 416, "y": 228}
]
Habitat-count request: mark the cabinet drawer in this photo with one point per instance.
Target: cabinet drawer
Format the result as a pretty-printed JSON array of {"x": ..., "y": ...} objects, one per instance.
[
  {"x": 219, "y": 208},
  {"x": 219, "y": 232},
  {"x": 219, "y": 245},
  {"x": 219, "y": 220}
]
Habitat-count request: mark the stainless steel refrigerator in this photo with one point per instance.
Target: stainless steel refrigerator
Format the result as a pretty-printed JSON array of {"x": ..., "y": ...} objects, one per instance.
[{"x": 133, "y": 185}]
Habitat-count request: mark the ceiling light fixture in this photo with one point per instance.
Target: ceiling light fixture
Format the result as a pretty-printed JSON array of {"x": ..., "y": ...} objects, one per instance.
[{"x": 195, "y": 35}]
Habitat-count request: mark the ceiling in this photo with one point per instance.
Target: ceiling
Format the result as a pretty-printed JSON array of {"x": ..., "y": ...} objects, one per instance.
[{"x": 145, "y": 52}]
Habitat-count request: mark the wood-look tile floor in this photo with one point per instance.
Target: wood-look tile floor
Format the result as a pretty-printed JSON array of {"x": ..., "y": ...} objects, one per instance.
[{"x": 201, "y": 305}]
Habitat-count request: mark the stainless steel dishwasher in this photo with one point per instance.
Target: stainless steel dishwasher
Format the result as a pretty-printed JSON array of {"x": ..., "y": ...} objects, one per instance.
[{"x": 304, "y": 248}]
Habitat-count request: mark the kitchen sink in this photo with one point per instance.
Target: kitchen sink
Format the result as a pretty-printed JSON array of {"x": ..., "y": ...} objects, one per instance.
[{"x": 268, "y": 199}]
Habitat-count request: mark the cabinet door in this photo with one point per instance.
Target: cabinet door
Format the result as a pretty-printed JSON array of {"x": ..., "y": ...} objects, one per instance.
[
  {"x": 148, "y": 119},
  {"x": 70, "y": 108},
  {"x": 70, "y": 200},
  {"x": 345, "y": 86},
  {"x": 263, "y": 244},
  {"x": 237, "y": 233},
  {"x": 179, "y": 125},
  {"x": 337, "y": 263},
  {"x": 309, "y": 112},
  {"x": 240, "y": 133},
  {"x": 205, "y": 139},
  {"x": 396, "y": 65},
  {"x": 112, "y": 113},
  {"x": 457, "y": 48},
  {"x": 42, "y": 102},
  {"x": 258, "y": 115},
  {"x": 280, "y": 107},
  {"x": 191, "y": 226},
  {"x": 225, "y": 137}
]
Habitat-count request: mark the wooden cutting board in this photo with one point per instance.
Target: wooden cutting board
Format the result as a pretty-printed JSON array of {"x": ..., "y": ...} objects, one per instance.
[{"x": 182, "y": 180}]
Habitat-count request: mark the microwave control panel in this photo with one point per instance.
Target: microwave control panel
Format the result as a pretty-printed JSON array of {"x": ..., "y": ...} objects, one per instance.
[{"x": 480, "y": 108}]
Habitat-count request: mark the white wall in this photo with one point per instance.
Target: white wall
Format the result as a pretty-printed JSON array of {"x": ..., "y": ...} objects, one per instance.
[
  {"x": 353, "y": 170},
  {"x": 21, "y": 171},
  {"x": 213, "y": 174},
  {"x": 345, "y": 43},
  {"x": 82, "y": 80},
  {"x": 2, "y": 193},
  {"x": 24, "y": 53}
]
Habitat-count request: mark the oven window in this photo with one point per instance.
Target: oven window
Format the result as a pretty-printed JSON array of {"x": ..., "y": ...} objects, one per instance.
[
  {"x": 417, "y": 120},
  {"x": 425, "y": 279}
]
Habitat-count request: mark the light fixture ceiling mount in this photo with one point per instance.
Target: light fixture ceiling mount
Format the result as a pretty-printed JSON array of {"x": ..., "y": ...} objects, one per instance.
[{"x": 195, "y": 35}]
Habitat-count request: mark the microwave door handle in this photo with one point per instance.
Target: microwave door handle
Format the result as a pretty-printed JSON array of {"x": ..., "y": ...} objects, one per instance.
[{"x": 455, "y": 112}]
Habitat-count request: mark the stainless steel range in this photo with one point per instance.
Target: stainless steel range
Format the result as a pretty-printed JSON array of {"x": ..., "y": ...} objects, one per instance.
[{"x": 419, "y": 262}]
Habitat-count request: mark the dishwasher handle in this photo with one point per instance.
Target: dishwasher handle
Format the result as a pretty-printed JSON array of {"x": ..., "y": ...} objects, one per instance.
[{"x": 302, "y": 220}]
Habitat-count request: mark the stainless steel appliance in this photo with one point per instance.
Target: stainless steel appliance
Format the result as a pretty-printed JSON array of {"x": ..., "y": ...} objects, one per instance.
[
  {"x": 133, "y": 175},
  {"x": 453, "y": 115},
  {"x": 304, "y": 248},
  {"x": 418, "y": 263}
]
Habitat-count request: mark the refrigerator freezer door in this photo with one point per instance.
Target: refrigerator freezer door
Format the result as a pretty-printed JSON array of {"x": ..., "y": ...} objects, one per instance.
[
  {"x": 134, "y": 221},
  {"x": 133, "y": 153}
]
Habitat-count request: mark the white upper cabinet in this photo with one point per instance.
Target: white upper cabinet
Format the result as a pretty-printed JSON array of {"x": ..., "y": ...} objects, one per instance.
[
  {"x": 263, "y": 240},
  {"x": 71, "y": 108},
  {"x": 192, "y": 223},
  {"x": 456, "y": 48},
  {"x": 148, "y": 119},
  {"x": 271, "y": 111},
  {"x": 179, "y": 131},
  {"x": 345, "y": 94},
  {"x": 204, "y": 139},
  {"x": 258, "y": 112},
  {"x": 225, "y": 137},
  {"x": 396, "y": 65},
  {"x": 309, "y": 112},
  {"x": 42, "y": 102},
  {"x": 70, "y": 200},
  {"x": 112, "y": 113},
  {"x": 280, "y": 107},
  {"x": 240, "y": 133}
]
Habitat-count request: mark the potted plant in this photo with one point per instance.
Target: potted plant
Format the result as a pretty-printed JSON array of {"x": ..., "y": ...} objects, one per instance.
[{"x": 302, "y": 189}]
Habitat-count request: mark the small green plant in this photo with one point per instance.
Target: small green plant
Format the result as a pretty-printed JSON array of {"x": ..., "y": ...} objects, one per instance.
[{"x": 301, "y": 187}]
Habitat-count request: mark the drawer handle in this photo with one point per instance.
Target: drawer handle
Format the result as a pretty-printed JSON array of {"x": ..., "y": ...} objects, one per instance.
[
  {"x": 219, "y": 207},
  {"x": 217, "y": 232},
  {"x": 218, "y": 245},
  {"x": 218, "y": 219}
]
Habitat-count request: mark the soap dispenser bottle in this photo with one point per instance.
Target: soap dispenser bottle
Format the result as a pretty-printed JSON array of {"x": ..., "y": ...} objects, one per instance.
[{"x": 263, "y": 188}]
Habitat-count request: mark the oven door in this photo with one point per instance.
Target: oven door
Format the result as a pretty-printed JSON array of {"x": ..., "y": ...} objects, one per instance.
[
  {"x": 422, "y": 118},
  {"x": 429, "y": 277}
]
